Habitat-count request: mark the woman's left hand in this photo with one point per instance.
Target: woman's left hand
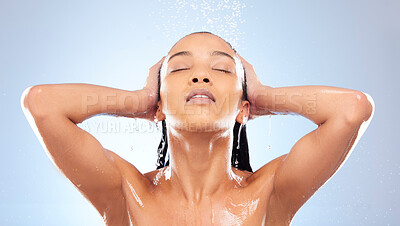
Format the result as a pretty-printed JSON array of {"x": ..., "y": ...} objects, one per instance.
[{"x": 254, "y": 89}]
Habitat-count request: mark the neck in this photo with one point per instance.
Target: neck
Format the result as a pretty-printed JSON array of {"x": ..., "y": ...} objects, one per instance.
[{"x": 200, "y": 162}]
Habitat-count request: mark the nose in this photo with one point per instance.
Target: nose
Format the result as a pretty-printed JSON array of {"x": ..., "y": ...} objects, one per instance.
[{"x": 200, "y": 78}]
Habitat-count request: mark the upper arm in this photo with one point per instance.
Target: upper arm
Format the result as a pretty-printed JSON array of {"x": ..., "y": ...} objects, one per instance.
[
  {"x": 78, "y": 155},
  {"x": 316, "y": 157}
]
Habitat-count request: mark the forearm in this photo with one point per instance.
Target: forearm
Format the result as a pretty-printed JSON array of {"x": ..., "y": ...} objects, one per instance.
[
  {"x": 317, "y": 103},
  {"x": 81, "y": 101}
]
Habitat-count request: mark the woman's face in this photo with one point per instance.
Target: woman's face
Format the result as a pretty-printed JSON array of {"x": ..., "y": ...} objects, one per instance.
[{"x": 200, "y": 89}]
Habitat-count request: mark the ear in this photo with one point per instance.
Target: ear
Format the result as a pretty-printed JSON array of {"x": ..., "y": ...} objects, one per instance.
[
  {"x": 244, "y": 112},
  {"x": 159, "y": 115}
]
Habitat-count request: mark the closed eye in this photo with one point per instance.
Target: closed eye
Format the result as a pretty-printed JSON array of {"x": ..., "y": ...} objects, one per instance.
[
  {"x": 222, "y": 70},
  {"x": 181, "y": 69}
]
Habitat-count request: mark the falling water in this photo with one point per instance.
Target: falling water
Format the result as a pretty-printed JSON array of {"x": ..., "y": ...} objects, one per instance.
[
  {"x": 269, "y": 130},
  {"x": 181, "y": 17},
  {"x": 269, "y": 125},
  {"x": 238, "y": 142}
]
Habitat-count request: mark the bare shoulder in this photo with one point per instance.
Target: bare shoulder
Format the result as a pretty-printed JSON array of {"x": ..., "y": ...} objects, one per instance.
[
  {"x": 267, "y": 171},
  {"x": 152, "y": 175},
  {"x": 261, "y": 182},
  {"x": 128, "y": 171},
  {"x": 122, "y": 164}
]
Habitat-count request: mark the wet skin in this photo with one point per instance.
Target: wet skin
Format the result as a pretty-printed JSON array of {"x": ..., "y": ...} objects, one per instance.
[
  {"x": 200, "y": 187},
  {"x": 240, "y": 201},
  {"x": 222, "y": 195}
]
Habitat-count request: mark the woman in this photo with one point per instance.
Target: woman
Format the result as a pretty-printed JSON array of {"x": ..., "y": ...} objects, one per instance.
[{"x": 199, "y": 95}]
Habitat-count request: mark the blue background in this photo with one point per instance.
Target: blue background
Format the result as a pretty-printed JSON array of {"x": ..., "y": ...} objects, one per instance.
[{"x": 351, "y": 44}]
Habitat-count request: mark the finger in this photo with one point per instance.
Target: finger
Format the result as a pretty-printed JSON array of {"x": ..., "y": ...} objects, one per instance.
[
  {"x": 244, "y": 62},
  {"x": 242, "y": 59},
  {"x": 158, "y": 65},
  {"x": 162, "y": 60}
]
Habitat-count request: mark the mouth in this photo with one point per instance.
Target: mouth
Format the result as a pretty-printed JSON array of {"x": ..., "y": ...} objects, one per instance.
[{"x": 200, "y": 96}]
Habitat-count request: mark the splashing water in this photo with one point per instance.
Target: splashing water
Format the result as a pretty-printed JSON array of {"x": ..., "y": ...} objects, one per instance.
[{"x": 181, "y": 17}]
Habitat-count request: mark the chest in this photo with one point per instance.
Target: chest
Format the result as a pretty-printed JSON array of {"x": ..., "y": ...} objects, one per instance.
[{"x": 235, "y": 208}]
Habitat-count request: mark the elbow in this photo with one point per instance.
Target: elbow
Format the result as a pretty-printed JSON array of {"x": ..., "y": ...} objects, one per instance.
[
  {"x": 362, "y": 108},
  {"x": 24, "y": 98},
  {"x": 31, "y": 100}
]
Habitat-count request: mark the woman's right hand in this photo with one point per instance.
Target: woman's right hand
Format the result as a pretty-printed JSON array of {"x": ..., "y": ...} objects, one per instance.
[{"x": 151, "y": 90}]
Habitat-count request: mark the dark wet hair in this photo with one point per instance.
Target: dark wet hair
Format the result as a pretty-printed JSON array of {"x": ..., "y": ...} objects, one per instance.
[{"x": 240, "y": 153}]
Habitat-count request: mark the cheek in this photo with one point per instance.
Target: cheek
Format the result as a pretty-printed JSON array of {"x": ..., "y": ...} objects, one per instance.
[
  {"x": 229, "y": 86},
  {"x": 230, "y": 93},
  {"x": 172, "y": 95}
]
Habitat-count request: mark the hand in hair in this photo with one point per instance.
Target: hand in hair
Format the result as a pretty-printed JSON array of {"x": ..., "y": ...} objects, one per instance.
[
  {"x": 254, "y": 89},
  {"x": 151, "y": 88}
]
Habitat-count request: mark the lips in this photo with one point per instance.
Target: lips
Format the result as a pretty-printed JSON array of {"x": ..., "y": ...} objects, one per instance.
[{"x": 200, "y": 94}]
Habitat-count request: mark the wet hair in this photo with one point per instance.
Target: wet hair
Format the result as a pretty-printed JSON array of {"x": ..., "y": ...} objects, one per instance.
[{"x": 240, "y": 153}]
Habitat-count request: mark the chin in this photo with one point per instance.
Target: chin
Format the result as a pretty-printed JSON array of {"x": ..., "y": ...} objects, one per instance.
[{"x": 203, "y": 123}]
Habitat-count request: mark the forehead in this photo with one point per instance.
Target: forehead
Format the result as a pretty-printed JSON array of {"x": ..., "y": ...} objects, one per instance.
[
  {"x": 199, "y": 43},
  {"x": 203, "y": 43}
]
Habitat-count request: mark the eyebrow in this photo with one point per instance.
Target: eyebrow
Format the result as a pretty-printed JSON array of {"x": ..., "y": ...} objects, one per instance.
[{"x": 214, "y": 53}]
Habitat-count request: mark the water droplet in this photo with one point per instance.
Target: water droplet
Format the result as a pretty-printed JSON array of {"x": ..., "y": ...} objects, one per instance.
[
  {"x": 238, "y": 142},
  {"x": 269, "y": 127},
  {"x": 223, "y": 17}
]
